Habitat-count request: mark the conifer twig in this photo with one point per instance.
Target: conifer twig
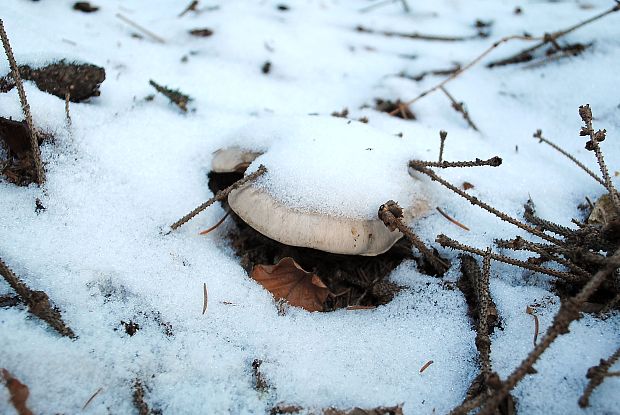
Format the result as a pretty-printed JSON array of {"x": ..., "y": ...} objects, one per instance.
[
  {"x": 492, "y": 162},
  {"x": 569, "y": 311},
  {"x": 459, "y": 107},
  {"x": 483, "y": 316},
  {"x": 475, "y": 201},
  {"x": 597, "y": 375},
  {"x": 539, "y": 136},
  {"x": 447, "y": 242},
  {"x": 442, "y": 141},
  {"x": 550, "y": 38},
  {"x": 466, "y": 67},
  {"x": 219, "y": 196},
  {"x": 32, "y": 131},
  {"x": 593, "y": 145},
  {"x": 37, "y": 301},
  {"x": 391, "y": 214}
]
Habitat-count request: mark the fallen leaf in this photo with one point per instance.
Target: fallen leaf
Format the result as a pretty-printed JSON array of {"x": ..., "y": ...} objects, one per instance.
[
  {"x": 19, "y": 393},
  {"x": 289, "y": 281}
]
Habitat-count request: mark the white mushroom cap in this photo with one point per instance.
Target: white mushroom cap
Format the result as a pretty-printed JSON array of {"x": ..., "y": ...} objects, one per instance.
[
  {"x": 339, "y": 235},
  {"x": 232, "y": 159}
]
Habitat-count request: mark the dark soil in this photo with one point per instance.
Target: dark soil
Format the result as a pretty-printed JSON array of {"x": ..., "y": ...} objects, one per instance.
[
  {"x": 354, "y": 280},
  {"x": 400, "y": 109},
  {"x": 80, "y": 80},
  {"x": 18, "y": 166}
]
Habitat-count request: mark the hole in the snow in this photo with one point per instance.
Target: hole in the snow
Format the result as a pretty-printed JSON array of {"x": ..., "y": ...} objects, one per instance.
[{"x": 354, "y": 280}]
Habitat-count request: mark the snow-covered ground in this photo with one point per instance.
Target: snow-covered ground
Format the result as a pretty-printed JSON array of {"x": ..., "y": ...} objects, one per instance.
[{"x": 127, "y": 168}]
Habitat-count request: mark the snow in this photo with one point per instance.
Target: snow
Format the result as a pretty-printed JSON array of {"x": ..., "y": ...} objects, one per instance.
[{"x": 127, "y": 168}]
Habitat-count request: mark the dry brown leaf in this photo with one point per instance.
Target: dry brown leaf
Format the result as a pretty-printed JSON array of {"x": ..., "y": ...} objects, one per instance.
[
  {"x": 19, "y": 393},
  {"x": 289, "y": 281}
]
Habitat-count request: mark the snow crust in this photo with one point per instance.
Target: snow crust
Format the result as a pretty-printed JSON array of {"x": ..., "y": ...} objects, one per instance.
[{"x": 128, "y": 167}]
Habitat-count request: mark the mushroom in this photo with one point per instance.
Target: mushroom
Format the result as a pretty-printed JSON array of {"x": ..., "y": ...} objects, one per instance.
[{"x": 330, "y": 233}]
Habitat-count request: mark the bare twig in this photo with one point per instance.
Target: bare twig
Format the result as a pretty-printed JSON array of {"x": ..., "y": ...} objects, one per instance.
[
  {"x": 445, "y": 241},
  {"x": 174, "y": 95},
  {"x": 205, "y": 299},
  {"x": 32, "y": 131},
  {"x": 190, "y": 8},
  {"x": 466, "y": 67},
  {"x": 538, "y": 134},
  {"x": 595, "y": 138},
  {"x": 569, "y": 311},
  {"x": 474, "y": 201},
  {"x": 416, "y": 36},
  {"x": 138, "y": 398},
  {"x": 597, "y": 375},
  {"x": 219, "y": 196},
  {"x": 140, "y": 28},
  {"x": 459, "y": 107},
  {"x": 67, "y": 113},
  {"x": 550, "y": 38},
  {"x": 91, "y": 398},
  {"x": 37, "y": 301},
  {"x": 442, "y": 142},
  {"x": 492, "y": 162},
  {"x": 482, "y": 339},
  {"x": 391, "y": 214}
]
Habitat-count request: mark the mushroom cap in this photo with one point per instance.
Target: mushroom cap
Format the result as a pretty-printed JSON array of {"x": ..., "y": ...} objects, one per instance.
[
  {"x": 335, "y": 234},
  {"x": 232, "y": 159}
]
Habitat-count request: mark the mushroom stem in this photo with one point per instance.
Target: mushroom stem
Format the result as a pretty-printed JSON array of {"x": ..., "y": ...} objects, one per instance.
[
  {"x": 219, "y": 196},
  {"x": 391, "y": 214}
]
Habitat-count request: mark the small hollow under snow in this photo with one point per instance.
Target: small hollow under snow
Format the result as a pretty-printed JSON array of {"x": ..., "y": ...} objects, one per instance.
[{"x": 333, "y": 165}]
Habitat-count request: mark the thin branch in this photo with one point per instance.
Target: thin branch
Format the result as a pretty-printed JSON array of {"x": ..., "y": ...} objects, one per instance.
[
  {"x": 391, "y": 214},
  {"x": 37, "y": 301},
  {"x": 538, "y": 134},
  {"x": 219, "y": 196},
  {"x": 447, "y": 242},
  {"x": 474, "y": 201},
  {"x": 483, "y": 316},
  {"x": 595, "y": 138},
  {"x": 597, "y": 375},
  {"x": 459, "y": 107},
  {"x": 569, "y": 311},
  {"x": 416, "y": 36},
  {"x": 140, "y": 28},
  {"x": 525, "y": 55},
  {"x": 466, "y": 67},
  {"x": 190, "y": 8},
  {"x": 442, "y": 141},
  {"x": 492, "y": 162},
  {"x": 32, "y": 131}
]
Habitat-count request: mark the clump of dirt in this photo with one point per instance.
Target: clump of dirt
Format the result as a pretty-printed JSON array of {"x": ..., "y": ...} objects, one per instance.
[
  {"x": 354, "y": 280},
  {"x": 16, "y": 160},
  {"x": 201, "y": 32},
  {"x": 84, "y": 6},
  {"x": 80, "y": 80},
  {"x": 396, "y": 108}
]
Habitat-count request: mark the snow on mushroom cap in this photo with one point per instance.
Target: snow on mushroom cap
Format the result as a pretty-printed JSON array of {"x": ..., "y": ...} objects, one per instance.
[{"x": 310, "y": 161}]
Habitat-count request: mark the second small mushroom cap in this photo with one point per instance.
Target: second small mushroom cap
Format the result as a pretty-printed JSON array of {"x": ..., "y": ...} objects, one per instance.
[{"x": 275, "y": 205}]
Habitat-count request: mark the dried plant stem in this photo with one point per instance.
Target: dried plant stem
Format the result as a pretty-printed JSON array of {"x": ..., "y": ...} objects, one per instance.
[
  {"x": 447, "y": 242},
  {"x": 138, "y": 398},
  {"x": 34, "y": 135},
  {"x": 595, "y": 137},
  {"x": 531, "y": 217},
  {"x": 219, "y": 196},
  {"x": 539, "y": 136},
  {"x": 466, "y": 67},
  {"x": 459, "y": 107},
  {"x": 37, "y": 301},
  {"x": 67, "y": 113},
  {"x": 190, "y": 7},
  {"x": 483, "y": 339},
  {"x": 442, "y": 142},
  {"x": 416, "y": 36},
  {"x": 597, "y": 375},
  {"x": 140, "y": 28},
  {"x": 474, "y": 201},
  {"x": 551, "y": 38},
  {"x": 569, "y": 311},
  {"x": 219, "y": 222},
  {"x": 493, "y": 162},
  {"x": 391, "y": 215}
]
